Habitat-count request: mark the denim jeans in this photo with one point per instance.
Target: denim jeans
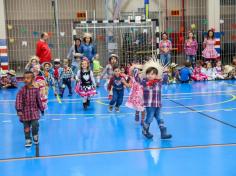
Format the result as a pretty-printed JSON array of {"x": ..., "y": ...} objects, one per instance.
[
  {"x": 66, "y": 82},
  {"x": 191, "y": 59},
  {"x": 117, "y": 97},
  {"x": 165, "y": 59},
  {"x": 153, "y": 112},
  {"x": 35, "y": 128}
]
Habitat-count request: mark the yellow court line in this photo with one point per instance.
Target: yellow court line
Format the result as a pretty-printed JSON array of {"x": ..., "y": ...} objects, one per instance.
[
  {"x": 191, "y": 106},
  {"x": 118, "y": 152}
]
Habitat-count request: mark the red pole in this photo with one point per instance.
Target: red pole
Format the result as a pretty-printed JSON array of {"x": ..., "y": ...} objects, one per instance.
[{"x": 183, "y": 17}]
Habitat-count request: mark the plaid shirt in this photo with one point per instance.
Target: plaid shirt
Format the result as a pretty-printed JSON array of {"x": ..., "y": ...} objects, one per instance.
[
  {"x": 152, "y": 94},
  {"x": 66, "y": 73},
  {"x": 29, "y": 103}
]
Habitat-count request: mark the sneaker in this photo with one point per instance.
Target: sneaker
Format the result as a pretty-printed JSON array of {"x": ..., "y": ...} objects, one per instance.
[
  {"x": 110, "y": 108},
  {"x": 28, "y": 143},
  {"x": 117, "y": 109},
  {"x": 70, "y": 95},
  {"x": 164, "y": 134},
  {"x": 36, "y": 139}
]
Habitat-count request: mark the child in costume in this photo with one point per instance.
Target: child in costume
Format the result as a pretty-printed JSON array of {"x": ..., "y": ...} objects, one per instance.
[
  {"x": 28, "y": 105},
  {"x": 209, "y": 52},
  {"x": 198, "y": 75},
  {"x": 208, "y": 71},
  {"x": 86, "y": 85},
  {"x": 218, "y": 71},
  {"x": 173, "y": 73},
  {"x": 108, "y": 71},
  {"x": 9, "y": 80},
  {"x": 117, "y": 85},
  {"x": 41, "y": 84},
  {"x": 97, "y": 69},
  {"x": 185, "y": 73},
  {"x": 152, "y": 73},
  {"x": 135, "y": 100},
  {"x": 34, "y": 60},
  {"x": 57, "y": 70},
  {"x": 66, "y": 77},
  {"x": 48, "y": 74},
  {"x": 74, "y": 55}
]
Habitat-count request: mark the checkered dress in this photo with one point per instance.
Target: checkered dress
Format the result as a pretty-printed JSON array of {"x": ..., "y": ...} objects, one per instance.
[
  {"x": 152, "y": 94},
  {"x": 29, "y": 103}
]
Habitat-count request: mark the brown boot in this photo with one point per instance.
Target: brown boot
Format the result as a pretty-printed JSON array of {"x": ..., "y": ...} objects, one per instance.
[
  {"x": 143, "y": 114},
  {"x": 137, "y": 116}
]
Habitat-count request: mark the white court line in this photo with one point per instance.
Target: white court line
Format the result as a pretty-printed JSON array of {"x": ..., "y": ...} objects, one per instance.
[
  {"x": 56, "y": 119},
  {"x": 6, "y": 121},
  {"x": 174, "y": 94}
]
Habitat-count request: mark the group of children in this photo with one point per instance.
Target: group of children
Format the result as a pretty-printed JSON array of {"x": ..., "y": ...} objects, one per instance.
[
  {"x": 8, "y": 79},
  {"x": 145, "y": 82},
  {"x": 199, "y": 72}
]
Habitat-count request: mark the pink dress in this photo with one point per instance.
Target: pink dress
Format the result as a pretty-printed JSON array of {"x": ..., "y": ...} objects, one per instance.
[
  {"x": 209, "y": 52},
  {"x": 135, "y": 100},
  {"x": 41, "y": 83},
  {"x": 198, "y": 75}
]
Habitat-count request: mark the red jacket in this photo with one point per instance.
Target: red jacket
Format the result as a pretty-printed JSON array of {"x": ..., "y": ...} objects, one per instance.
[{"x": 43, "y": 52}]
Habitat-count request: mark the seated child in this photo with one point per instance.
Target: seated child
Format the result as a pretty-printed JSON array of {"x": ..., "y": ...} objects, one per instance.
[
  {"x": 218, "y": 71},
  {"x": 185, "y": 73},
  {"x": 197, "y": 73}
]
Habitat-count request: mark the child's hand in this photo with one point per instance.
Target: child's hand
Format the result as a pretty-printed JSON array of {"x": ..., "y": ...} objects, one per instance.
[{"x": 20, "y": 113}]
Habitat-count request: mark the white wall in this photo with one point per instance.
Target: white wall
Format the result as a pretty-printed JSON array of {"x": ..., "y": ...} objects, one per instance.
[{"x": 2, "y": 21}]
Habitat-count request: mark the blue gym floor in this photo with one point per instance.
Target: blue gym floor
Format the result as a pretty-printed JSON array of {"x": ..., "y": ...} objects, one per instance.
[{"x": 200, "y": 116}]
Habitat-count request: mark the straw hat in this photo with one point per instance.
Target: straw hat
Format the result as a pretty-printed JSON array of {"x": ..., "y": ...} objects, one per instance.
[
  {"x": 155, "y": 64},
  {"x": 57, "y": 60},
  {"x": 34, "y": 58},
  {"x": 228, "y": 69},
  {"x": 43, "y": 64},
  {"x": 89, "y": 35},
  {"x": 3, "y": 74},
  {"x": 173, "y": 65},
  {"x": 12, "y": 72},
  {"x": 113, "y": 55}
]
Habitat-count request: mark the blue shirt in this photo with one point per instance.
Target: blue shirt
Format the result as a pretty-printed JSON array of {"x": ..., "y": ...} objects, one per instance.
[
  {"x": 88, "y": 51},
  {"x": 185, "y": 74}
]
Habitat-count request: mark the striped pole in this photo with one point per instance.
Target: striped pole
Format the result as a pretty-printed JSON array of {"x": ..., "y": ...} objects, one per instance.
[
  {"x": 146, "y": 8},
  {"x": 3, "y": 55}
]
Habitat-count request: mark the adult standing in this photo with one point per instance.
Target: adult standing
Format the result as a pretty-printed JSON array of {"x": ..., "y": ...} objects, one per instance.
[
  {"x": 42, "y": 49},
  {"x": 74, "y": 55},
  {"x": 190, "y": 48},
  {"x": 88, "y": 49}
]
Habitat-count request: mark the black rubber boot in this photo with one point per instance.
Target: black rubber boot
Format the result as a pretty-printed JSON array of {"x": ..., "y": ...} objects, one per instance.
[
  {"x": 164, "y": 134},
  {"x": 85, "y": 106},
  {"x": 88, "y": 102},
  {"x": 146, "y": 132}
]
